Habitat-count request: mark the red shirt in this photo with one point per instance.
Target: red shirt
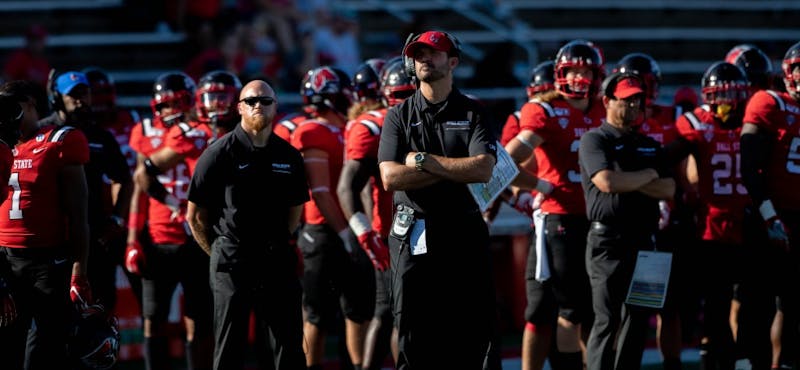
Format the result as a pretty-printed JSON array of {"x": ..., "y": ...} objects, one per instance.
[
  {"x": 778, "y": 114},
  {"x": 660, "y": 125},
  {"x": 362, "y": 137},
  {"x": 287, "y": 124},
  {"x": 561, "y": 126},
  {"x": 189, "y": 140},
  {"x": 22, "y": 65},
  {"x": 511, "y": 128},
  {"x": 32, "y": 215},
  {"x": 722, "y": 193},
  {"x": 314, "y": 134}
]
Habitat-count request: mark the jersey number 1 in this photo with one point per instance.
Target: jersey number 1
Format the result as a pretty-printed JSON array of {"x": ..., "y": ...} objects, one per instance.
[{"x": 15, "y": 213}]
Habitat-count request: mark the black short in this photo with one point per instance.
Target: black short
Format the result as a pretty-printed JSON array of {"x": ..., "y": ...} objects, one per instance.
[
  {"x": 383, "y": 297},
  {"x": 168, "y": 265},
  {"x": 331, "y": 274},
  {"x": 567, "y": 292}
]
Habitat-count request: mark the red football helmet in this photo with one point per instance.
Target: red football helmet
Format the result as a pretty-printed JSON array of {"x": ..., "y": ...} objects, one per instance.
[
  {"x": 396, "y": 85},
  {"x": 579, "y": 53},
  {"x": 725, "y": 88},
  {"x": 646, "y": 67},
  {"x": 326, "y": 88},
  {"x": 755, "y": 64},
  {"x": 175, "y": 90},
  {"x": 216, "y": 97},
  {"x": 366, "y": 81},
  {"x": 790, "y": 63},
  {"x": 542, "y": 78},
  {"x": 94, "y": 339}
]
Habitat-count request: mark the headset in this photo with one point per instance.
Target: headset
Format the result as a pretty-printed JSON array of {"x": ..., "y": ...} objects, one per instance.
[
  {"x": 610, "y": 83},
  {"x": 408, "y": 62},
  {"x": 53, "y": 96}
]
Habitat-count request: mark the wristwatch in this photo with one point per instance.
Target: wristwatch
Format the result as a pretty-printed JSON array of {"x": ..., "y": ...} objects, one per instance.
[{"x": 420, "y": 160}]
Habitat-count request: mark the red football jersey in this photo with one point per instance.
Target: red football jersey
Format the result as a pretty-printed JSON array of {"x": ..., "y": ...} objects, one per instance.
[
  {"x": 362, "y": 137},
  {"x": 147, "y": 136},
  {"x": 778, "y": 114},
  {"x": 511, "y": 128},
  {"x": 722, "y": 193},
  {"x": 6, "y": 163},
  {"x": 285, "y": 126},
  {"x": 660, "y": 125},
  {"x": 32, "y": 215},
  {"x": 190, "y": 140},
  {"x": 314, "y": 134},
  {"x": 561, "y": 126}
]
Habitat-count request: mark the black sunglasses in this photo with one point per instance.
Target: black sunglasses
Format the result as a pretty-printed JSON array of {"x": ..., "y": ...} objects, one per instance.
[{"x": 264, "y": 100}]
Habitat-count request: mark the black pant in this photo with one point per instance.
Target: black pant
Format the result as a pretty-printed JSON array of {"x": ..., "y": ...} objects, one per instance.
[
  {"x": 610, "y": 260},
  {"x": 444, "y": 296},
  {"x": 39, "y": 282},
  {"x": 263, "y": 280}
]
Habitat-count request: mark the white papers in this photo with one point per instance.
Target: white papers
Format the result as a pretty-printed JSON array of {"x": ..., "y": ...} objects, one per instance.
[
  {"x": 650, "y": 279},
  {"x": 417, "y": 238},
  {"x": 504, "y": 172}
]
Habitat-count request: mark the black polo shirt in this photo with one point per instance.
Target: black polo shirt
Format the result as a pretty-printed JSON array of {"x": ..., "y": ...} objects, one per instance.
[
  {"x": 105, "y": 161},
  {"x": 248, "y": 190},
  {"x": 457, "y": 128},
  {"x": 600, "y": 149}
]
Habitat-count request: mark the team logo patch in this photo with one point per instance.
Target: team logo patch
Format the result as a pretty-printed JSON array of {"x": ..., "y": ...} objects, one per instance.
[
  {"x": 708, "y": 135},
  {"x": 40, "y": 138},
  {"x": 563, "y": 122},
  {"x": 790, "y": 119},
  {"x": 200, "y": 143},
  {"x": 155, "y": 142},
  {"x": 322, "y": 79},
  {"x": 282, "y": 168}
]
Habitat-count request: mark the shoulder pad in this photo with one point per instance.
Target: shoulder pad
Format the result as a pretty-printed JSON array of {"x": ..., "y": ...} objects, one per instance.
[
  {"x": 59, "y": 133},
  {"x": 778, "y": 99},
  {"x": 546, "y": 106}
]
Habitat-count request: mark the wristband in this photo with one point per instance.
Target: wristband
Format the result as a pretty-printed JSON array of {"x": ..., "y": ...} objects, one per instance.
[
  {"x": 525, "y": 141},
  {"x": 151, "y": 168},
  {"x": 767, "y": 210},
  {"x": 543, "y": 186},
  {"x": 359, "y": 223}
]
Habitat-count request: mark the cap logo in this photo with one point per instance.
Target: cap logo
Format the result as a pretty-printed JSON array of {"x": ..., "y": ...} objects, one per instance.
[{"x": 434, "y": 38}]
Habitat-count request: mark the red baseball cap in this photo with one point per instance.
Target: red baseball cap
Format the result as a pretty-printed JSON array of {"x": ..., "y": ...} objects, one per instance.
[
  {"x": 628, "y": 87},
  {"x": 436, "y": 40}
]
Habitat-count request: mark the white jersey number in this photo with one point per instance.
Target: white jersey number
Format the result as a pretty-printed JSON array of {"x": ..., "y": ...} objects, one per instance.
[
  {"x": 727, "y": 174},
  {"x": 15, "y": 213},
  {"x": 793, "y": 159}
]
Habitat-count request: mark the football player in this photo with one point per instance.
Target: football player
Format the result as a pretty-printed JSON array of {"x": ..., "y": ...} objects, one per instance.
[
  {"x": 326, "y": 239},
  {"x": 771, "y": 171},
  {"x": 711, "y": 134},
  {"x": 173, "y": 256},
  {"x": 44, "y": 229},
  {"x": 550, "y": 129},
  {"x": 361, "y": 169}
]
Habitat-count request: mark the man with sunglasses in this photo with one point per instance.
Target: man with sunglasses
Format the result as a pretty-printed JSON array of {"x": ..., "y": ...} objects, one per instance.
[
  {"x": 252, "y": 263},
  {"x": 171, "y": 255}
]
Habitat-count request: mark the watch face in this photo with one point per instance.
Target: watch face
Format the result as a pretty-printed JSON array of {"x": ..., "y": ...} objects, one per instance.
[{"x": 419, "y": 156}]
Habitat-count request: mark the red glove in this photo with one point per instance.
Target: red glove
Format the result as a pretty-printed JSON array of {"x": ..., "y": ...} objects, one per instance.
[
  {"x": 134, "y": 258},
  {"x": 79, "y": 291},
  {"x": 376, "y": 250},
  {"x": 369, "y": 241}
]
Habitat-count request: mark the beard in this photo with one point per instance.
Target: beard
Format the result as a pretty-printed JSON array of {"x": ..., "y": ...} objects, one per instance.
[
  {"x": 259, "y": 122},
  {"x": 433, "y": 74}
]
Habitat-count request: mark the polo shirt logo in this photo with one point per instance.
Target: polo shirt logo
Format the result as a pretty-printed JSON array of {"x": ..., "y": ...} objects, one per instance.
[
  {"x": 282, "y": 168},
  {"x": 456, "y": 125}
]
